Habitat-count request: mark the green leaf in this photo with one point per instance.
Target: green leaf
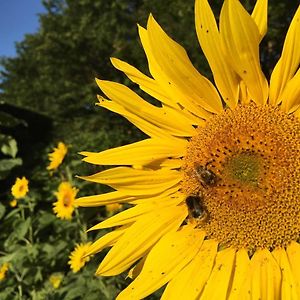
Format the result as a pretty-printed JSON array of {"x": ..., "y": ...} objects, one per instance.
[
  {"x": 20, "y": 229},
  {"x": 9, "y": 146},
  {"x": 44, "y": 220},
  {"x": 6, "y": 165},
  {"x": 12, "y": 213},
  {"x": 2, "y": 210},
  {"x": 6, "y": 293},
  {"x": 74, "y": 293}
]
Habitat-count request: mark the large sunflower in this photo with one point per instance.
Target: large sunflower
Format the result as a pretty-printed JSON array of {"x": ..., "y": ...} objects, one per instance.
[{"x": 215, "y": 188}]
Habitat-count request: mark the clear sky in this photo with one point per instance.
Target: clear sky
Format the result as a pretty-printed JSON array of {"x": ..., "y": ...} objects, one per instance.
[{"x": 17, "y": 17}]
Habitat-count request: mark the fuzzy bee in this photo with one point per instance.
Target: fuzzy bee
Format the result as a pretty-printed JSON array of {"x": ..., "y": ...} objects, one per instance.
[
  {"x": 206, "y": 177},
  {"x": 196, "y": 208}
]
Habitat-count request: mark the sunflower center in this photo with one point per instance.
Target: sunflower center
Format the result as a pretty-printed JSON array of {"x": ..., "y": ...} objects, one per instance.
[
  {"x": 67, "y": 200},
  {"x": 244, "y": 169}
]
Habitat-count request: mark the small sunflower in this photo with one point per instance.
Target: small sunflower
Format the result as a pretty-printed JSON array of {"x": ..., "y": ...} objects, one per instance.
[
  {"x": 78, "y": 257},
  {"x": 112, "y": 208},
  {"x": 55, "y": 280},
  {"x": 56, "y": 157},
  {"x": 20, "y": 188},
  {"x": 215, "y": 201},
  {"x": 65, "y": 204},
  {"x": 3, "y": 271},
  {"x": 13, "y": 203}
]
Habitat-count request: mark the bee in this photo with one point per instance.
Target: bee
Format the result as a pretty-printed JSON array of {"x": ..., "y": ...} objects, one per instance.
[
  {"x": 206, "y": 177},
  {"x": 196, "y": 207}
]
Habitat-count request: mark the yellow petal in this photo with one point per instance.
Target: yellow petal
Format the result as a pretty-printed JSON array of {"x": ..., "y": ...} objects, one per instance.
[
  {"x": 137, "y": 182},
  {"x": 244, "y": 95},
  {"x": 139, "y": 153},
  {"x": 239, "y": 276},
  {"x": 118, "y": 197},
  {"x": 174, "y": 92},
  {"x": 167, "y": 163},
  {"x": 290, "y": 97},
  {"x": 132, "y": 214},
  {"x": 139, "y": 238},
  {"x": 240, "y": 39},
  {"x": 147, "y": 84},
  {"x": 156, "y": 89},
  {"x": 180, "y": 112},
  {"x": 218, "y": 282},
  {"x": 288, "y": 286},
  {"x": 165, "y": 260},
  {"x": 209, "y": 39},
  {"x": 174, "y": 62},
  {"x": 103, "y": 199},
  {"x": 136, "y": 270},
  {"x": 108, "y": 240},
  {"x": 288, "y": 62},
  {"x": 190, "y": 281},
  {"x": 137, "y": 120},
  {"x": 163, "y": 196},
  {"x": 263, "y": 279},
  {"x": 297, "y": 113},
  {"x": 194, "y": 119},
  {"x": 260, "y": 16},
  {"x": 134, "y": 104},
  {"x": 293, "y": 252}
]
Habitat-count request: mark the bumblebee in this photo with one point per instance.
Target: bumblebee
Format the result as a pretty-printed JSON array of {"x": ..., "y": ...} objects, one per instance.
[
  {"x": 206, "y": 177},
  {"x": 196, "y": 208}
]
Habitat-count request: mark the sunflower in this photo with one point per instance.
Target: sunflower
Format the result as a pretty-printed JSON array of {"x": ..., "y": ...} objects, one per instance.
[
  {"x": 56, "y": 157},
  {"x": 112, "y": 208},
  {"x": 13, "y": 203},
  {"x": 3, "y": 271},
  {"x": 78, "y": 257},
  {"x": 64, "y": 206},
  {"x": 55, "y": 280},
  {"x": 215, "y": 204},
  {"x": 20, "y": 188}
]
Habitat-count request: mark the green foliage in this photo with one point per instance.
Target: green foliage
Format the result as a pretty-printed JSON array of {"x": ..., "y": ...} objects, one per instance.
[
  {"x": 40, "y": 243},
  {"x": 8, "y": 145}
]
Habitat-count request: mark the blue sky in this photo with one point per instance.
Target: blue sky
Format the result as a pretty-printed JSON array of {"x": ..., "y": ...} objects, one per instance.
[{"x": 17, "y": 17}]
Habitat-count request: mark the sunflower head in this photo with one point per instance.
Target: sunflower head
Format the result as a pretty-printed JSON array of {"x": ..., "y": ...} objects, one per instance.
[
  {"x": 112, "y": 208},
  {"x": 20, "y": 188},
  {"x": 214, "y": 202},
  {"x": 55, "y": 280},
  {"x": 79, "y": 257},
  {"x": 65, "y": 205},
  {"x": 13, "y": 203},
  {"x": 56, "y": 157},
  {"x": 3, "y": 271}
]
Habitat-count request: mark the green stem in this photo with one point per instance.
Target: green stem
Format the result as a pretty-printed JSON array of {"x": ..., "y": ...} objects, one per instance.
[
  {"x": 82, "y": 226},
  {"x": 20, "y": 290}
]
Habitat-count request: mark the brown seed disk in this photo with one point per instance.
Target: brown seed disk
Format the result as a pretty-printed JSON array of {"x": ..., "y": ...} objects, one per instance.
[{"x": 254, "y": 152}]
